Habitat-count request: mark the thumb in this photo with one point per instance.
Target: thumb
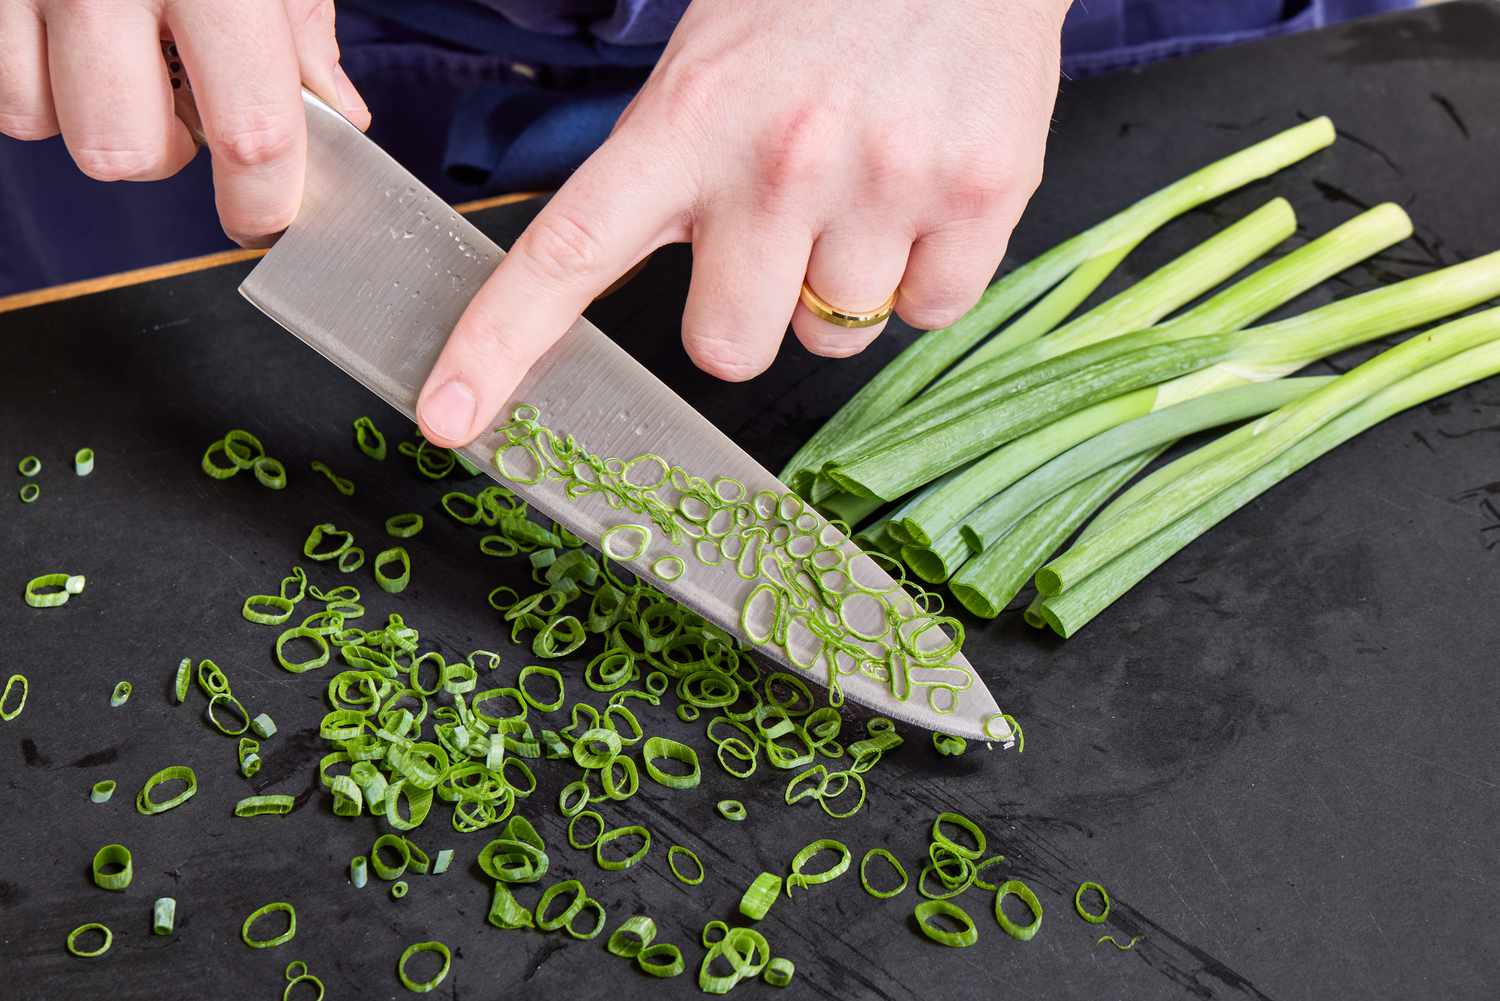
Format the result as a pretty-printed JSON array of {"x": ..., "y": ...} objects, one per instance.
[{"x": 613, "y": 211}]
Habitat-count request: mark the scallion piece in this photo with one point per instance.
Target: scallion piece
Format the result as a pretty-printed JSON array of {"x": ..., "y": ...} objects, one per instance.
[
  {"x": 16, "y": 683},
  {"x": 392, "y": 583},
  {"x": 760, "y": 895},
  {"x": 29, "y": 492},
  {"x": 403, "y": 526},
  {"x": 102, "y": 791},
  {"x": 614, "y": 834},
  {"x": 183, "y": 678},
  {"x": 895, "y": 863},
  {"x": 83, "y": 461},
  {"x": 660, "y": 959},
  {"x": 263, "y": 726},
  {"x": 269, "y": 473},
  {"x": 807, "y": 854},
  {"x": 398, "y": 889},
  {"x": 112, "y": 868},
  {"x": 342, "y": 485},
  {"x": 1016, "y": 888},
  {"x": 1116, "y": 942},
  {"x": 50, "y": 590},
  {"x": 84, "y": 929},
  {"x": 277, "y": 907},
  {"x": 677, "y": 851},
  {"x": 120, "y": 695},
  {"x": 269, "y": 804},
  {"x": 633, "y": 935},
  {"x": 163, "y": 916},
  {"x": 779, "y": 971},
  {"x": 368, "y": 438},
  {"x": 965, "y": 936},
  {"x": 1092, "y": 917},
  {"x": 359, "y": 871},
  {"x": 172, "y": 773},
  {"x": 29, "y": 465}
]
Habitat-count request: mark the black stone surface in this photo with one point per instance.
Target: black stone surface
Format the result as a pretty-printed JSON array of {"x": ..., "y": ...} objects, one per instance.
[{"x": 1278, "y": 753}]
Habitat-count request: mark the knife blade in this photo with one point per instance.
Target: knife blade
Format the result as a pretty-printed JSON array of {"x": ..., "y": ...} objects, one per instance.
[{"x": 373, "y": 275}]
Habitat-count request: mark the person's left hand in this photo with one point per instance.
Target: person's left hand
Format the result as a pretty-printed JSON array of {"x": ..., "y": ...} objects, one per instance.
[{"x": 870, "y": 147}]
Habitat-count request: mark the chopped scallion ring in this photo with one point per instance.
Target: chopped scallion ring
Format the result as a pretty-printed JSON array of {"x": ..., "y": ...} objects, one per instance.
[
  {"x": 799, "y": 878},
  {"x": 592, "y": 815},
  {"x": 314, "y": 636},
  {"x": 968, "y": 826},
  {"x": 672, "y": 855},
  {"x": 633, "y": 935},
  {"x": 713, "y": 926},
  {"x": 669, "y": 567},
  {"x": 967, "y": 934},
  {"x": 665, "y": 748},
  {"x": 120, "y": 695},
  {"x": 731, "y": 809},
  {"x": 760, "y": 895},
  {"x": 243, "y": 448},
  {"x": 306, "y": 978},
  {"x": 660, "y": 959},
  {"x": 614, "y": 834},
  {"x": 1091, "y": 917},
  {"x": 16, "y": 682},
  {"x": 37, "y": 597},
  {"x": 369, "y": 439},
  {"x": 505, "y": 912},
  {"x": 102, "y": 791},
  {"x": 1116, "y": 942},
  {"x": 949, "y": 745},
  {"x": 589, "y": 904},
  {"x": 340, "y": 539},
  {"x": 403, "y": 526},
  {"x": 351, "y": 559},
  {"x": 234, "y": 703},
  {"x": 359, "y": 871},
  {"x": 184, "y": 678},
  {"x": 393, "y": 584},
  {"x": 895, "y": 863},
  {"x": 117, "y": 857},
  {"x": 398, "y": 889},
  {"x": 534, "y": 670},
  {"x": 82, "y": 930},
  {"x": 1020, "y": 933},
  {"x": 212, "y": 468},
  {"x": 29, "y": 466},
  {"x": 279, "y": 906},
  {"x": 270, "y": 804},
  {"x": 83, "y": 461},
  {"x": 276, "y": 609},
  {"x": 163, "y": 916},
  {"x": 30, "y": 492},
  {"x": 269, "y": 473},
  {"x": 264, "y": 726},
  {"x": 343, "y": 486},
  {"x": 400, "y": 846},
  {"x": 550, "y": 894},
  {"x": 441, "y": 861},
  {"x": 779, "y": 971},
  {"x": 172, "y": 773}
]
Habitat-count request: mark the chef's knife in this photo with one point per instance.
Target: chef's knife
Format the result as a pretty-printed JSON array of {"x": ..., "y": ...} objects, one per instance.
[{"x": 373, "y": 275}]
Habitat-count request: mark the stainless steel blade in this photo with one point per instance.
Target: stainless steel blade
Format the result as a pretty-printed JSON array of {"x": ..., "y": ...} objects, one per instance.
[{"x": 374, "y": 274}]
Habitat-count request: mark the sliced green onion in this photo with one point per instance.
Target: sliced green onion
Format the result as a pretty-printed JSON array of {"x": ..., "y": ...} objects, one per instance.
[
  {"x": 16, "y": 682},
  {"x": 589, "y": 904},
  {"x": 431, "y": 983},
  {"x": 340, "y": 539},
  {"x": 441, "y": 861},
  {"x": 760, "y": 895},
  {"x": 864, "y": 878},
  {"x": 359, "y": 871},
  {"x": 29, "y": 465},
  {"x": 368, "y": 438},
  {"x": 672, "y": 855},
  {"x": 948, "y": 745},
  {"x": 967, "y": 826},
  {"x": 657, "y": 748},
  {"x": 269, "y": 472},
  {"x": 633, "y": 935},
  {"x": 1116, "y": 942},
  {"x": 36, "y": 597},
  {"x": 505, "y": 912},
  {"x": 212, "y": 468},
  {"x": 1091, "y": 917},
  {"x": 1014, "y": 887},
  {"x": 280, "y": 609},
  {"x": 779, "y": 971},
  {"x": 342, "y": 485},
  {"x": 172, "y": 773},
  {"x": 614, "y": 834},
  {"x": 243, "y": 448},
  {"x": 731, "y": 809},
  {"x": 403, "y": 526},
  {"x": 967, "y": 934},
  {"x": 80, "y": 931},
  {"x": 536, "y": 670},
  {"x": 183, "y": 679},
  {"x": 392, "y": 583},
  {"x": 551, "y": 893},
  {"x": 117, "y": 856},
  {"x": 398, "y": 889},
  {"x": 270, "y": 804},
  {"x": 163, "y": 916},
  {"x": 351, "y": 559},
  {"x": 807, "y": 854},
  {"x": 400, "y": 845},
  {"x": 264, "y": 726},
  {"x": 574, "y": 839},
  {"x": 660, "y": 959},
  {"x": 233, "y": 703},
  {"x": 102, "y": 791},
  {"x": 83, "y": 461},
  {"x": 29, "y": 492},
  {"x": 279, "y": 906}
]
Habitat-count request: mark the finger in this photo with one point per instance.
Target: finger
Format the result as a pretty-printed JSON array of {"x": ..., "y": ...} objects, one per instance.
[
  {"x": 625, "y": 201},
  {"x": 247, "y": 84},
  {"x": 855, "y": 271},
  {"x": 747, "y": 271},
  {"x": 110, "y": 89},
  {"x": 318, "y": 54},
  {"x": 25, "y": 92},
  {"x": 948, "y": 270}
]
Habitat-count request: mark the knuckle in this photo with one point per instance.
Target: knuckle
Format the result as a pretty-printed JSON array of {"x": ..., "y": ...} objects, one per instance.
[
  {"x": 845, "y": 344},
  {"x": 123, "y": 163},
  {"x": 311, "y": 13},
  {"x": 255, "y": 138},
  {"x": 792, "y": 154},
  {"x": 561, "y": 247},
  {"x": 688, "y": 90},
  {"x": 933, "y": 308}
]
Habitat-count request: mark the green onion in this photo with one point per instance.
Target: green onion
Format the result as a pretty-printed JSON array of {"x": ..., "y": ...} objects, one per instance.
[
  {"x": 731, "y": 809},
  {"x": 116, "y": 858},
  {"x": 1070, "y": 610},
  {"x": 29, "y": 492},
  {"x": 760, "y": 895},
  {"x": 807, "y": 854},
  {"x": 403, "y": 526},
  {"x": 779, "y": 972},
  {"x": 1018, "y": 889},
  {"x": 660, "y": 959},
  {"x": 15, "y": 683},
  {"x": 633, "y": 935},
  {"x": 893, "y": 862},
  {"x": 368, "y": 439},
  {"x": 967, "y": 934},
  {"x": 83, "y": 461},
  {"x": 270, "y": 804},
  {"x": 1116, "y": 943},
  {"x": 102, "y": 791},
  {"x": 277, "y": 907},
  {"x": 163, "y": 916},
  {"x": 398, "y": 889},
  {"x": 690, "y": 855},
  {"x": 431, "y": 983},
  {"x": 359, "y": 872},
  {"x": 84, "y": 929},
  {"x": 270, "y": 472},
  {"x": 1241, "y": 452},
  {"x": 172, "y": 773},
  {"x": 1092, "y": 917},
  {"x": 29, "y": 465},
  {"x": 927, "y": 357},
  {"x": 342, "y": 485}
]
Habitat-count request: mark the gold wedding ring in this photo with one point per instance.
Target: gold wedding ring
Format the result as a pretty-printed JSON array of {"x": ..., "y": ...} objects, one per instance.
[{"x": 824, "y": 310}]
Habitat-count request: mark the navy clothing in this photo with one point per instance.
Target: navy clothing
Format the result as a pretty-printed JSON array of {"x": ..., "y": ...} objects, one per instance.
[{"x": 483, "y": 96}]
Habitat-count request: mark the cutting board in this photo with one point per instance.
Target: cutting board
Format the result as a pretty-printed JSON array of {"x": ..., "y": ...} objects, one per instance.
[{"x": 1277, "y": 753}]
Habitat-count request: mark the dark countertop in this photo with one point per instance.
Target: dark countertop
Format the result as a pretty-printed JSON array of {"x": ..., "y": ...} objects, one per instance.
[{"x": 1277, "y": 753}]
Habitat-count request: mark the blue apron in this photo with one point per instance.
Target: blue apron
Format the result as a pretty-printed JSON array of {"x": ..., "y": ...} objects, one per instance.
[{"x": 477, "y": 97}]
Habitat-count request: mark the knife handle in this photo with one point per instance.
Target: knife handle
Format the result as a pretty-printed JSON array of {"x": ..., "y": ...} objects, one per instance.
[{"x": 182, "y": 92}]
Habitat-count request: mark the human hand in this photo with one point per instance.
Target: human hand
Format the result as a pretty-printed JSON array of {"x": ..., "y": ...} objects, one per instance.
[
  {"x": 93, "y": 70},
  {"x": 864, "y": 146}
]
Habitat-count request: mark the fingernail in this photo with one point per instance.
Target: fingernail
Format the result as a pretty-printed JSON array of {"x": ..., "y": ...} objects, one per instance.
[
  {"x": 450, "y": 411},
  {"x": 349, "y": 100}
]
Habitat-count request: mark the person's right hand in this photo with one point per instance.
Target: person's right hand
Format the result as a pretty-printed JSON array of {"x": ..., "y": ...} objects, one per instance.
[{"x": 93, "y": 70}]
